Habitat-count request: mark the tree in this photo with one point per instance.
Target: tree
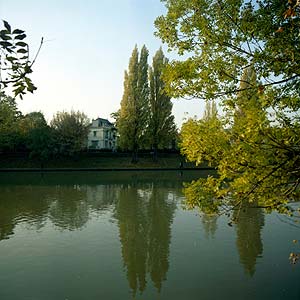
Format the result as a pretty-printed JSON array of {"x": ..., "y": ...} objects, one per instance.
[
  {"x": 38, "y": 136},
  {"x": 161, "y": 128},
  {"x": 9, "y": 123},
  {"x": 40, "y": 141},
  {"x": 246, "y": 55},
  {"x": 15, "y": 64},
  {"x": 210, "y": 111},
  {"x": 132, "y": 118},
  {"x": 221, "y": 38},
  {"x": 71, "y": 130},
  {"x": 33, "y": 120}
]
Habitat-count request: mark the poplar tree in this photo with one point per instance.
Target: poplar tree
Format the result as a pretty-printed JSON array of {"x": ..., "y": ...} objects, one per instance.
[
  {"x": 210, "y": 110},
  {"x": 132, "y": 119},
  {"x": 162, "y": 128}
]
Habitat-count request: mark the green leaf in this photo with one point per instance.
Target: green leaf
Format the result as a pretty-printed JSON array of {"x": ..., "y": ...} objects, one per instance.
[
  {"x": 4, "y": 36},
  {"x": 3, "y": 31},
  {"x": 5, "y": 44},
  {"x": 11, "y": 58},
  {"x": 18, "y": 31},
  {"x": 28, "y": 80},
  {"x": 31, "y": 88},
  {"x": 20, "y": 36},
  {"x": 22, "y": 51},
  {"x": 21, "y": 44},
  {"x": 27, "y": 69},
  {"x": 7, "y": 26}
]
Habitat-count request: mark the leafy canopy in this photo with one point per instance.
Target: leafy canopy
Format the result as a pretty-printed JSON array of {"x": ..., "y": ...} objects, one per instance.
[
  {"x": 222, "y": 38},
  {"x": 246, "y": 55},
  {"x": 71, "y": 130}
]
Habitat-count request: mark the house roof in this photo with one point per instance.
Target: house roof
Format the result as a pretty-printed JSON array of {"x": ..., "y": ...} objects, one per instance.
[{"x": 101, "y": 123}]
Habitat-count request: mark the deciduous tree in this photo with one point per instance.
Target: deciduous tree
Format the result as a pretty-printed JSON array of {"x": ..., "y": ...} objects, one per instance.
[
  {"x": 10, "y": 117},
  {"x": 245, "y": 54},
  {"x": 71, "y": 130}
]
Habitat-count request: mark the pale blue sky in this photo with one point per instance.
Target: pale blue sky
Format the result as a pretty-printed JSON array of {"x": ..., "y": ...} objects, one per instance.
[{"x": 86, "y": 50}]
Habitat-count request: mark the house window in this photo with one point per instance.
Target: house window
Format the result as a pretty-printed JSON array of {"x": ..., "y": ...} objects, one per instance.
[
  {"x": 106, "y": 134},
  {"x": 95, "y": 144},
  {"x": 95, "y": 133}
]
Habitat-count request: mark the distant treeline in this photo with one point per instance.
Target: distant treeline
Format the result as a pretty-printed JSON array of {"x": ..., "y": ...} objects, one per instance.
[{"x": 65, "y": 136}]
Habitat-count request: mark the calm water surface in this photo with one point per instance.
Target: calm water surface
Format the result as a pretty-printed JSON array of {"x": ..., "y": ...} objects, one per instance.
[{"x": 126, "y": 236}]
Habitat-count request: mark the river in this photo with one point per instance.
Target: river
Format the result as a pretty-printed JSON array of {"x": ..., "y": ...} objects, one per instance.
[{"x": 126, "y": 235}]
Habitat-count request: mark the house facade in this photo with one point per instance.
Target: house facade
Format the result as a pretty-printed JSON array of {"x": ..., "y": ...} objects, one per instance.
[{"x": 102, "y": 135}]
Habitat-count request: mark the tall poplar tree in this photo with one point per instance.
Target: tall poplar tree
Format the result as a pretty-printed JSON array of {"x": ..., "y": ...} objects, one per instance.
[
  {"x": 210, "y": 110},
  {"x": 162, "y": 128},
  {"x": 132, "y": 119}
]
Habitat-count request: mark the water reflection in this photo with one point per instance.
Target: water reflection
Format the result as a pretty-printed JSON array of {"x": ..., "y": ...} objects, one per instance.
[
  {"x": 248, "y": 230},
  {"x": 144, "y": 213},
  {"x": 161, "y": 210},
  {"x": 209, "y": 225},
  {"x": 249, "y": 241},
  {"x": 67, "y": 207},
  {"x": 22, "y": 204},
  {"x": 143, "y": 208},
  {"x": 144, "y": 218},
  {"x": 69, "y": 210}
]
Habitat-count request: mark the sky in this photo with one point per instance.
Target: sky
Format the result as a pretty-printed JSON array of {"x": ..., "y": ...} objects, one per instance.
[{"x": 87, "y": 46}]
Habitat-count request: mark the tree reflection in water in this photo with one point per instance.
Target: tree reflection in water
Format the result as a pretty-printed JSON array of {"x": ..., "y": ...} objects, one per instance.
[
  {"x": 69, "y": 210},
  {"x": 249, "y": 243},
  {"x": 145, "y": 217},
  {"x": 21, "y": 204},
  {"x": 249, "y": 223},
  {"x": 131, "y": 215},
  {"x": 209, "y": 225},
  {"x": 68, "y": 207},
  {"x": 144, "y": 211}
]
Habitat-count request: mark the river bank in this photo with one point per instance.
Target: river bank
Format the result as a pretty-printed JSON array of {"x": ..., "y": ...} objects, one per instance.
[{"x": 97, "y": 162}]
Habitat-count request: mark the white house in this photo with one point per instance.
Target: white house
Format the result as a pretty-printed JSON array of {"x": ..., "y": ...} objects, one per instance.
[{"x": 102, "y": 135}]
